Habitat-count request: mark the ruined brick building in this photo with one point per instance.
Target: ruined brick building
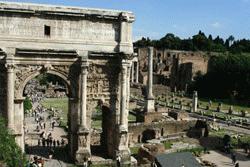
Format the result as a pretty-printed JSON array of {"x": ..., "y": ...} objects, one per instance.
[{"x": 173, "y": 68}]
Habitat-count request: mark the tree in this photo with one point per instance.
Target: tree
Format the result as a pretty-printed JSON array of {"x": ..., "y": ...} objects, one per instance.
[
  {"x": 10, "y": 153},
  {"x": 200, "y": 41},
  {"x": 27, "y": 104},
  {"x": 170, "y": 41}
]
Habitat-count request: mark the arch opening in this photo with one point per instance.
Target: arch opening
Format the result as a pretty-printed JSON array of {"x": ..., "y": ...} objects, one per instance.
[
  {"x": 101, "y": 124},
  {"x": 47, "y": 124}
]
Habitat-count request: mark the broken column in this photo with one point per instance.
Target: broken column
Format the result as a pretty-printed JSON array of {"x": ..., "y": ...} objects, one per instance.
[
  {"x": 137, "y": 72},
  {"x": 132, "y": 72},
  {"x": 195, "y": 101},
  {"x": 150, "y": 102}
]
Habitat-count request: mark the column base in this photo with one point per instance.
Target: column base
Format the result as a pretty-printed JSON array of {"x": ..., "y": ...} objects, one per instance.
[
  {"x": 125, "y": 157},
  {"x": 82, "y": 155},
  {"x": 123, "y": 129},
  {"x": 150, "y": 105}
]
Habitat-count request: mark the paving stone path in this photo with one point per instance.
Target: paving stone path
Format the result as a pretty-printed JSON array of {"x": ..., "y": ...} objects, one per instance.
[
  {"x": 32, "y": 141},
  {"x": 224, "y": 160}
]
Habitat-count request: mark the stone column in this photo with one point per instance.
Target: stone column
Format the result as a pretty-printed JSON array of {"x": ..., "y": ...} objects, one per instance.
[
  {"x": 132, "y": 73},
  {"x": 123, "y": 150},
  {"x": 84, "y": 73},
  {"x": 137, "y": 72},
  {"x": 150, "y": 98},
  {"x": 128, "y": 83},
  {"x": 123, "y": 112},
  {"x": 195, "y": 101},
  {"x": 83, "y": 151},
  {"x": 150, "y": 72},
  {"x": 10, "y": 95}
]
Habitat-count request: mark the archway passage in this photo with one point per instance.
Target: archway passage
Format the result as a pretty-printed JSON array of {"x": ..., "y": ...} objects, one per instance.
[
  {"x": 148, "y": 134},
  {"x": 46, "y": 123},
  {"x": 101, "y": 134}
]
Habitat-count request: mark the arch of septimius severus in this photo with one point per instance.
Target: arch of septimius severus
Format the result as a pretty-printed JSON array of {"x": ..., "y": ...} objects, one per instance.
[{"x": 90, "y": 49}]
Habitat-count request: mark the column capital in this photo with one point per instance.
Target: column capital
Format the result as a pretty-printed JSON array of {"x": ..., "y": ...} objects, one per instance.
[
  {"x": 83, "y": 54},
  {"x": 10, "y": 67},
  {"x": 128, "y": 56},
  {"x": 84, "y": 66},
  {"x": 126, "y": 63},
  {"x": 10, "y": 52}
]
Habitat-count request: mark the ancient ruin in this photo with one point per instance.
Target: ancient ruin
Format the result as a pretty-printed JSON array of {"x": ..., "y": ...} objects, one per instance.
[
  {"x": 172, "y": 68},
  {"x": 90, "y": 49}
]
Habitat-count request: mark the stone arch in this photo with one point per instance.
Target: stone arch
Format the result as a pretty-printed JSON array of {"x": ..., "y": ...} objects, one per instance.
[
  {"x": 162, "y": 132},
  {"x": 148, "y": 134},
  {"x": 20, "y": 90},
  {"x": 139, "y": 138}
]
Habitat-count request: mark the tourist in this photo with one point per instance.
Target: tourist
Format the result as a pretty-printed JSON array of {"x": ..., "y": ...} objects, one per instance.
[
  {"x": 85, "y": 163},
  {"x": 50, "y": 141},
  {"x": 51, "y": 153},
  {"x": 47, "y": 142},
  {"x": 39, "y": 142},
  {"x": 58, "y": 143},
  {"x": 44, "y": 125},
  {"x": 53, "y": 124},
  {"x": 54, "y": 143},
  {"x": 62, "y": 142},
  {"x": 43, "y": 142},
  {"x": 118, "y": 160},
  {"x": 233, "y": 157}
]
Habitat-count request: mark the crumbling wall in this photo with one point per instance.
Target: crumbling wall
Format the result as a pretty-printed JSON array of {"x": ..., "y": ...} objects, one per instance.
[
  {"x": 173, "y": 68},
  {"x": 162, "y": 128}
]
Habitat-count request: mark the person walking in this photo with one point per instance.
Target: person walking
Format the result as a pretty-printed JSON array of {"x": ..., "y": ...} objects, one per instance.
[
  {"x": 233, "y": 157},
  {"x": 54, "y": 143}
]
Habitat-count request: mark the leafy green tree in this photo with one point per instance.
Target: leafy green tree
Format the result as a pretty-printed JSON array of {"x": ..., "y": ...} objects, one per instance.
[
  {"x": 170, "y": 41},
  {"x": 27, "y": 104},
  {"x": 228, "y": 76},
  {"x": 10, "y": 153}
]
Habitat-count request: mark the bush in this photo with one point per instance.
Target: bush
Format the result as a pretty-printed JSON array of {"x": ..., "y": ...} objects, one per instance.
[{"x": 10, "y": 153}]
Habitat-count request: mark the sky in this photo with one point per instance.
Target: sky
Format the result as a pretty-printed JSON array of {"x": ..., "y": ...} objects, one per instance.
[{"x": 184, "y": 18}]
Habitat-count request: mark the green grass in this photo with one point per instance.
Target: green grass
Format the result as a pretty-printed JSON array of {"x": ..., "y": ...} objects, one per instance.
[
  {"x": 196, "y": 151},
  {"x": 131, "y": 117},
  {"x": 59, "y": 104},
  {"x": 205, "y": 102},
  {"x": 167, "y": 145},
  {"x": 225, "y": 105},
  {"x": 134, "y": 150},
  {"x": 96, "y": 124}
]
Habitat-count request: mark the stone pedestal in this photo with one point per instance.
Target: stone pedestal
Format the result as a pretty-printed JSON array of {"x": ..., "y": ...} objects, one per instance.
[
  {"x": 150, "y": 105},
  {"x": 83, "y": 153},
  {"x": 148, "y": 117}
]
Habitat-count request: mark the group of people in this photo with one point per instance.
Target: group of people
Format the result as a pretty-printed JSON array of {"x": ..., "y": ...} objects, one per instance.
[
  {"x": 49, "y": 142},
  {"x": 36, "y": 162}
]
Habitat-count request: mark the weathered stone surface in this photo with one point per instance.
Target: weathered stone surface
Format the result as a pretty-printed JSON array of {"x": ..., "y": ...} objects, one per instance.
[{"x": 87, "y": 49}]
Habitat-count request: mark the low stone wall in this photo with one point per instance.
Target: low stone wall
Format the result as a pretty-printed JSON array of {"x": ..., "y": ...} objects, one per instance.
[{"x": 163, "y": 128}]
